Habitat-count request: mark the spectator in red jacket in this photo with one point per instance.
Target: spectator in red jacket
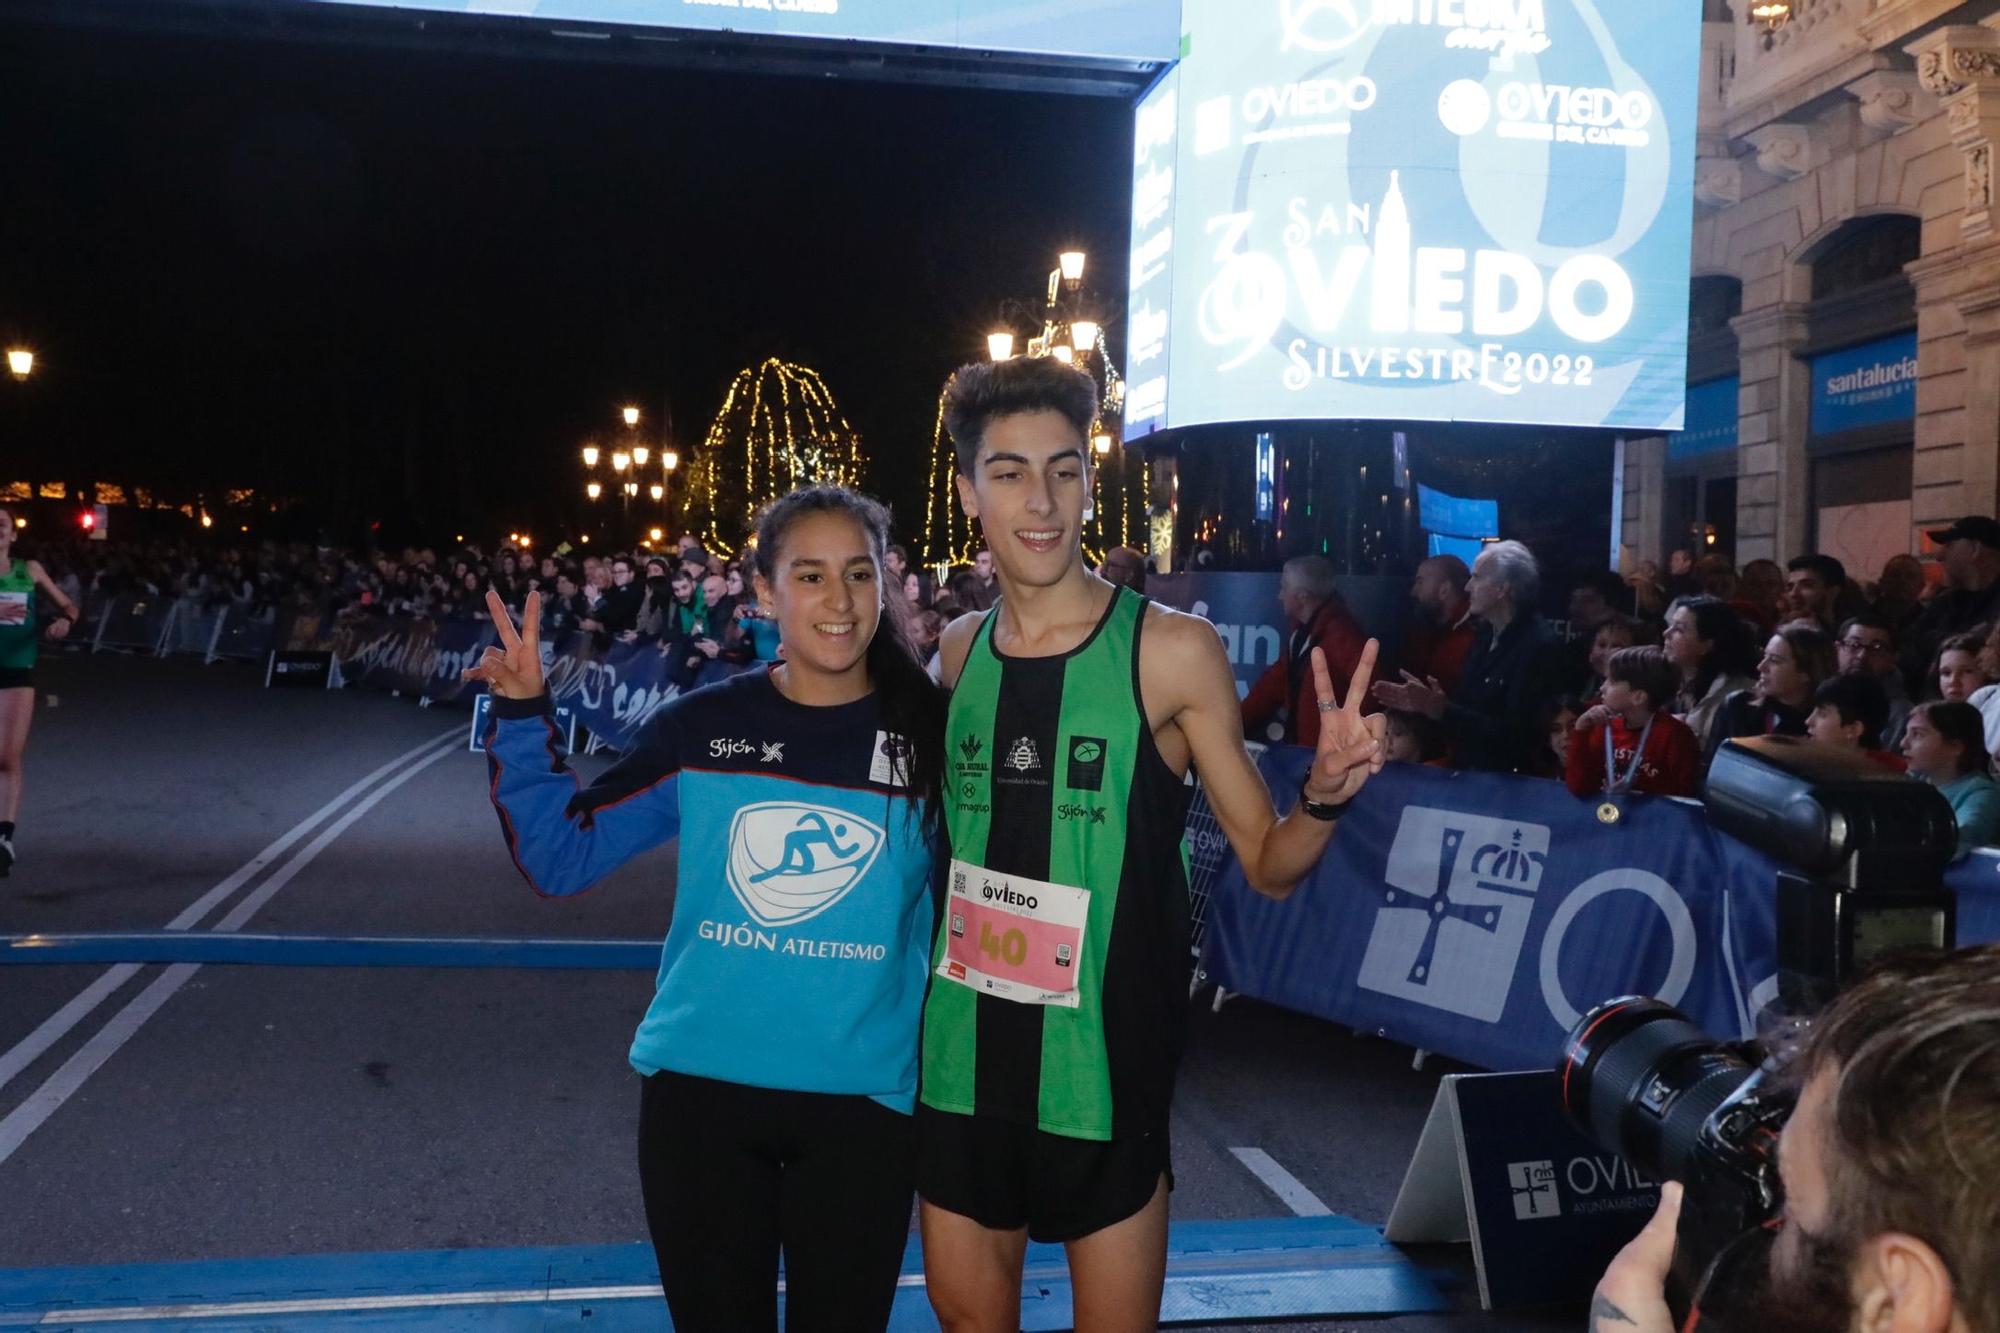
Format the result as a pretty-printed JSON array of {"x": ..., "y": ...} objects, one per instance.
[
  {"x": 1281, "y": 706},
  {"x": 1639, "y": 686},
  {"x": 1443, "y": 631}
]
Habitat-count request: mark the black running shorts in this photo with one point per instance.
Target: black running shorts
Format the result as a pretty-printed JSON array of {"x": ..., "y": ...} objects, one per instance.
[{"x": 1007, "y": 1176}]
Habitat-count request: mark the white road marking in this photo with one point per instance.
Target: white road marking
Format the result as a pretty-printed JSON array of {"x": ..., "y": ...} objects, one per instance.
[
  {"x": 46, "y": 1100},
  {"x": 1291, "y": 1191},
  {"x": 59, "y": 1024},
  {"x": 119, "y": 1314}
]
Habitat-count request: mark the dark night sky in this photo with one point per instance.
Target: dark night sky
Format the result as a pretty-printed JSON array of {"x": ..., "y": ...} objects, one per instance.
[{"x": 362, "y": 273}]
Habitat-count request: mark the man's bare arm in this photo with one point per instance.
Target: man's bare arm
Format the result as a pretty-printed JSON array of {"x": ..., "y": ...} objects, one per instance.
[
  {"x": 1275, "y": 853},
  {"x": 954, "y": 644}
]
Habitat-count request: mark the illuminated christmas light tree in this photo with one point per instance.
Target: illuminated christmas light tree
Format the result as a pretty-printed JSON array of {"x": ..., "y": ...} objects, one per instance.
[{"x": 779, "y": 428}]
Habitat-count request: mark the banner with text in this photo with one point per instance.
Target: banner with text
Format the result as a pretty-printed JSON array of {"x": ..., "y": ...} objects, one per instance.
[
  {"x": 1478, "y": 915},
  {"x": 613, "y": 690},
  {"x": 1440, "y": 210}
]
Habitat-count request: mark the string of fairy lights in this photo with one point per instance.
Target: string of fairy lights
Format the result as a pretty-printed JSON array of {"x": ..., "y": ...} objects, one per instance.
[
  {"x": 779, "y": 428},
  {"x": 1122, "y": 492}
]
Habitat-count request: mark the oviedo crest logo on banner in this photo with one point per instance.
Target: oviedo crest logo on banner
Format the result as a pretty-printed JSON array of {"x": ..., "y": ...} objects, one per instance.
[
  {"x": 1460, "y": 896},
  {"x": 788, "y": 862}
]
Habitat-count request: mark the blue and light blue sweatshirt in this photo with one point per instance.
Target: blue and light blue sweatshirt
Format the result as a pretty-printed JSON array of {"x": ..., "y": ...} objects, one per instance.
[{"x": 801, "y": 932}]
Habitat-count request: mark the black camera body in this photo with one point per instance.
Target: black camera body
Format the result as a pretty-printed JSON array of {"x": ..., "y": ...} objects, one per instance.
[{"x": 1868, "y": 849}]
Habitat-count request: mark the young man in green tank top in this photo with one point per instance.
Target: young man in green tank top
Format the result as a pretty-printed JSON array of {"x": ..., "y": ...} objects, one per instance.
[{"x": 1059, "y": 978}]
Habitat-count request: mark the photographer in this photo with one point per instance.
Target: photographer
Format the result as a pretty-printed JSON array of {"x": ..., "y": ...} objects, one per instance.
[{"x": 1890, "y": 1164}]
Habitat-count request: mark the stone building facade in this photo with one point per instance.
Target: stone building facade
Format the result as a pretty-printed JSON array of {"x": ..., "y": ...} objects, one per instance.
[{"x": 1846, "y": 291}]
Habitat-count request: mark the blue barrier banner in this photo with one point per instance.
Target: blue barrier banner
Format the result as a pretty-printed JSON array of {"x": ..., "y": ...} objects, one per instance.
[
  {"x": 1478, "y": 915},
  {"x": 1866, "y": 385},
  {"x": 612, "y": 691},
  {"x": 421, "y": 657},
  {"x": 1245, "y": 612}
]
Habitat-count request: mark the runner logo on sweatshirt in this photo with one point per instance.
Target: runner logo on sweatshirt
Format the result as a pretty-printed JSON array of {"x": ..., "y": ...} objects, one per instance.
[{"x": 789, "y": 862}]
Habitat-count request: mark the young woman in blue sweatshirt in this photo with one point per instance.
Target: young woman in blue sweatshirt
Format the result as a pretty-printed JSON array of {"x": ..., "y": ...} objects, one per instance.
[{"x": 779, "y": 1055}]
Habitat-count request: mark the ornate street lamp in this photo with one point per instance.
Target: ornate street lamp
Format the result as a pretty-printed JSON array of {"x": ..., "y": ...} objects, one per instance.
[
  {"x": 1768, "y": 16},
  {"x": 590, "y": 455},
  {"x": 21, "y": 362},
  {"x": 1000, "y": 346}
]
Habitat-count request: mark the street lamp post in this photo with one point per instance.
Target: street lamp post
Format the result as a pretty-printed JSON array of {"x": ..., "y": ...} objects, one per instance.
[
  {"x": 20, "y": 362},
  {"x": 1071, "y": 330}
]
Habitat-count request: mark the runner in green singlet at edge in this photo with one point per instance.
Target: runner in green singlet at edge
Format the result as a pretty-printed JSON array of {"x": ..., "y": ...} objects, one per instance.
[
  {"x": 1058, "y": 992},
  {"x": 19, "y": 582}
]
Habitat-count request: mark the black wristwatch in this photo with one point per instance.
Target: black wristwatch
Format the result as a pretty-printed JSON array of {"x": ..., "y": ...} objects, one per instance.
[{"x": 1317, "y": 810}]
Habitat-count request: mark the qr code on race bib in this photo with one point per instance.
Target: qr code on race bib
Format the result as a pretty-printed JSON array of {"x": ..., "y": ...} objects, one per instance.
[{"x": 958, "y": 881}]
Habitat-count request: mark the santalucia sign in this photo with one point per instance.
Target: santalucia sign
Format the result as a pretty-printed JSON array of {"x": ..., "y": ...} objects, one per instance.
[{"x": 1416, "y": 209}]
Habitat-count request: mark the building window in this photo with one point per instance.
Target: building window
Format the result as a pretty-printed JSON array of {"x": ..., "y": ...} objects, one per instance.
[{"x": 1864, "y": 252}]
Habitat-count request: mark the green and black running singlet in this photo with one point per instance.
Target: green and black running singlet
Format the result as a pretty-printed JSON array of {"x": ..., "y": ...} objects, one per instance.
[
  {"x": 17, "y": 637},
  {"x": 1059, "y": 982}
]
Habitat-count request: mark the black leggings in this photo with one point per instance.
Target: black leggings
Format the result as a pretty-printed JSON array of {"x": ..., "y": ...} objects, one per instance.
[{"x": 732, "y": 1173}]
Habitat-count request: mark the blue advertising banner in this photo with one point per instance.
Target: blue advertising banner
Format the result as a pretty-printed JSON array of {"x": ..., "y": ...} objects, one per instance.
[
  {"x": 612, "y": 691},
  {"x": 1866, "y": 385},
  {"x": 1133, "y": 29},
  {"x": 1244, "y": 609},
  {"x": 1406, "y": 210},
  {"x": 1478, "y": 915},
  {"x": 1711, "y": 420},
  {"x": 1455, "y": 516}
]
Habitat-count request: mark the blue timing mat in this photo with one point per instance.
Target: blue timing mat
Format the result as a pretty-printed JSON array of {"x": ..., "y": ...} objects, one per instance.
[{"x": 1290, "y": 1268}]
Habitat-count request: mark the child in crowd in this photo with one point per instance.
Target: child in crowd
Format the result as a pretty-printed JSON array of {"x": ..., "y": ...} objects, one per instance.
[
  {"x": 1960, "y": 672},
  {"x": 1615, "y": 633},
  {"x": 1945, "y": 743},
  {"x": 1850, "y": 711},
  {"x": 1627, "y": 742},
  {"x": 1414, "y": 738},
  {"x": 1558, "y": 721}
]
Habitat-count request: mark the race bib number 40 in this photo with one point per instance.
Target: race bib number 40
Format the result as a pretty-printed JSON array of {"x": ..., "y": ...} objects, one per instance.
[{"x": 1020, "y": 939}]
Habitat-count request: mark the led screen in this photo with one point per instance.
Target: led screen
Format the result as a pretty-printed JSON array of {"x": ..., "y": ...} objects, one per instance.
[
  {"x": 1116, "y": 29},
  {"x": 1436, "y": 210}
]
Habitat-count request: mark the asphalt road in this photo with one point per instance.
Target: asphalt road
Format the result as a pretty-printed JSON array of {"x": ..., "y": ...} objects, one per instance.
[{"x": 254, "y": 1111}]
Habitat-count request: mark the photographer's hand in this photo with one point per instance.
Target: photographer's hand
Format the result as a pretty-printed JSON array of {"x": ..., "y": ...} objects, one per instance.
[{"x": 1631, "y": 1297}]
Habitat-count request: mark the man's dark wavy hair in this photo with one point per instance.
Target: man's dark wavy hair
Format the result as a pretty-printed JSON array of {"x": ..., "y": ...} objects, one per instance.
[{"x": 979, "y": 393}]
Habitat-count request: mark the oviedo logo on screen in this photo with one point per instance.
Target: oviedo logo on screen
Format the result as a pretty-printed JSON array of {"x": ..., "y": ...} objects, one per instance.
[
  {"x": 1505, "y": 27},
  {"x": 1345, "y": 275},
  {"x": 1380, "y": 279}
]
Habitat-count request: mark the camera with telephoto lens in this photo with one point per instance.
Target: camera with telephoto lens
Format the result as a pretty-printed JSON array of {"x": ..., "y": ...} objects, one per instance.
[
  {"x": 1867, "y": 851},
  {"x": 1648, "y": 1084}
]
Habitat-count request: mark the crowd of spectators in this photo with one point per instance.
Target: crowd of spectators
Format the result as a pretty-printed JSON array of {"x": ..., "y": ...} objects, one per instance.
[
  {"x": 1635, "y": 690},
  {"x": 1646, "y": 678},
  {"x": 694, "y": 604}
]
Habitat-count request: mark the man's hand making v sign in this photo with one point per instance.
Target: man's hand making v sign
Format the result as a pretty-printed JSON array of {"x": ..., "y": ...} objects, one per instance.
[
  {"x": 512, "y": 668},
  {"x": 1350, "y": 745}
]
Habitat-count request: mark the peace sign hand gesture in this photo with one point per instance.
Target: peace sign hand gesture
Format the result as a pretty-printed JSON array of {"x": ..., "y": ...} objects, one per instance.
[
  {"x": 1350, "y": 745},
  {"x": 512, "y": 669}
]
